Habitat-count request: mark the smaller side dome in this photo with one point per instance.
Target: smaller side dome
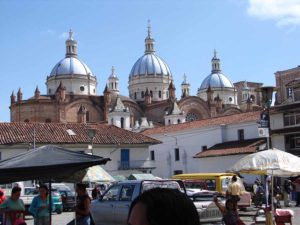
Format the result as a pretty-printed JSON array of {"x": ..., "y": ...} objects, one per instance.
[{"x": 216, "y": 80}]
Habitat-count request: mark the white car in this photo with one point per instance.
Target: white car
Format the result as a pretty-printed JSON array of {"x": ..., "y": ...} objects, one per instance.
[{"x": 207, "y": 209}]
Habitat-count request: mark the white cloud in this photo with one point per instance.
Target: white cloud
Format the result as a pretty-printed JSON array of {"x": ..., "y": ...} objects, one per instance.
[
  {"x": 283, "y": 12},
  {"x": 64, "y": 35},
  {"x": 48, "y": 32}
]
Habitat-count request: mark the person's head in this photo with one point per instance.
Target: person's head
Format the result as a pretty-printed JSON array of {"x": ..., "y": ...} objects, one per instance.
[
  {"x": 160, "y": 206},
  {"x": 234, "y": 178},
  {"x": 80, "y": 188},
  {"x": 15, "y": 193},
  {"x": 43, "y": 190},
  {"x": 230, "y": 204}
]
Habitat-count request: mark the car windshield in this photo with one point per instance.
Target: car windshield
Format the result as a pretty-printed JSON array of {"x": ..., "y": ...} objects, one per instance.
[
  {"x": 146, "y": 185},
  {"x": 31, "y": 191}
]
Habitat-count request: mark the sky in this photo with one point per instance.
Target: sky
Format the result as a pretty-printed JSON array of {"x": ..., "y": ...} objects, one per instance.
[{"x": 253, "y": 38}]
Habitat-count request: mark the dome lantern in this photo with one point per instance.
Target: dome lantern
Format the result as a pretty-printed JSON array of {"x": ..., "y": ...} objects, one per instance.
[
  {"x": 215, "y": 63},
  {"x": 71, "y": 45},
  {"x": 149, "y": 41}
]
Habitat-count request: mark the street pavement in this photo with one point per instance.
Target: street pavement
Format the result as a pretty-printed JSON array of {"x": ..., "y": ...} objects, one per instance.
[{"x": 246, "y": 216}]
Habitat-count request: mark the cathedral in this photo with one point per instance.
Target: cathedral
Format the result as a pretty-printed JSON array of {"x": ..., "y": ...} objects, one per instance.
[{"x": 71, "y": 94}]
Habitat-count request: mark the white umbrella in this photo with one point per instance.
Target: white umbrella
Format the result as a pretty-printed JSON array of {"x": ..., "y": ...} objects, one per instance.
[
  {"x": 269, "y": 162},
  {"x": 97, "y": 174}
]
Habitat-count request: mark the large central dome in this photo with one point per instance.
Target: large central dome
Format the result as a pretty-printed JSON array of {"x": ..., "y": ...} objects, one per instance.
[
  {"x": 150, "y": 74},
  {"x": 150, "y": 64}
]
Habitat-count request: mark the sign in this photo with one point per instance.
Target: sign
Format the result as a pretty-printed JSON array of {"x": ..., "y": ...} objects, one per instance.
[
  {"x": 264, "y": 119},
  {"x": 263, "y": 132}
]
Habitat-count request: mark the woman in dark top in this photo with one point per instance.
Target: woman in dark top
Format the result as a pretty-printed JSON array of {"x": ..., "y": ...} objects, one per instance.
[
  {"x": 82, "y": 207},
  {"x": 229, "y": 212}
]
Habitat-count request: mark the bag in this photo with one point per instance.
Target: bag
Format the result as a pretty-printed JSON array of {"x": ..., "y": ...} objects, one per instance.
[{"x": 19, "y": 221}]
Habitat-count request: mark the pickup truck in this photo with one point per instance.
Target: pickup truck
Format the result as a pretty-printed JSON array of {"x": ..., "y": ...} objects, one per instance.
[{"x": 113, "y": 206}]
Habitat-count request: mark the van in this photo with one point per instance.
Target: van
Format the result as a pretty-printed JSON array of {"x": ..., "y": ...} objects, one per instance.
[{"x": 214, "y": 182}]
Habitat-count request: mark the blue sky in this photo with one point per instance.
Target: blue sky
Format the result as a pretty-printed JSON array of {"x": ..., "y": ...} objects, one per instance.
[{"x": 253, "y": 38}]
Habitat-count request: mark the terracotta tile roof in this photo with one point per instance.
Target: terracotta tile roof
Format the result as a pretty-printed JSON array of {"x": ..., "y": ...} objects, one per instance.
[
  {"x": 230, "y": 119},
  {"x": 232, "y": 148},
  {"x": 46, "y": 133}
]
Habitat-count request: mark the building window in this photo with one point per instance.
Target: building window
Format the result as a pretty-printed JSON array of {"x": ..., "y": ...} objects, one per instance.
[
  {"x": 169, "y": 122},
  {"x": 122, "y": 122},
  {"x": 26, "y": 120},
  {"x": 178, "y": 172},
  {"x": 151, "y": 94},
  {"x": 48, "y": 120},
  {"x": 230, "y": 99},
  {"x": 204, "y": 147},
  {"x": 297, "y": 94},
  {"x": 292, "y": 118},
  {"x": 112, "y": 121},
  {"x": 159, "y": 94},
  {"x": 143, "y": 94},
  {"x": 178, "y": 121},
  {"x": 176, "y": 152},
  {"x": 134, "y": 95},
  {"x": 152, "y": 155},
  {"x": 87, "y": 116},
  {"x": 288, "y": 92},
  {"x": 94, "y": 90},
  {"x": 0, "y": 155},
  {"x": 81, "y": 88},
  {"x": 292, "y": 141},
  {"x": 241, "y": 134},
  {"x": 191, "y": 117},
  {"x": 49, "y": 91}
]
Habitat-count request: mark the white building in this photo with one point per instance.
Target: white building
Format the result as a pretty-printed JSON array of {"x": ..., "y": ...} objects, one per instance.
[{"x": 210, "y": 145}]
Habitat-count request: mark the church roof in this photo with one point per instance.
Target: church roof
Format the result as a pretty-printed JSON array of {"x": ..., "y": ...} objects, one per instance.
[
  {"x": 230, "y": 119},
  {"x": 72, "y": 133},
  {"x": 232, "y": 148}
]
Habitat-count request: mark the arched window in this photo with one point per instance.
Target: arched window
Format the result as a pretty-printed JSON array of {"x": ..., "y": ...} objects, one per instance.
[
  {"x": 151, "y": 94},
  {"x": 143, "y": 94},
  {"x": 159, "y": 94},
  {"x": 87, "y": 116},
  {"x": 178, "y": 121},
  {"x": 169, "y": 122},
  {"x": 122, "y": 122},
  {"x": 191, "y": 117},
  {"x": 134, "y": 95}
]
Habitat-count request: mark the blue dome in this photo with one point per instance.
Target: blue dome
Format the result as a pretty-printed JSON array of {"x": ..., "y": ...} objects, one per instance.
[
  {"x": 216, "y": 80},
  {"x": 72, "y": 66},
  {"x": 150, "y": 64}
]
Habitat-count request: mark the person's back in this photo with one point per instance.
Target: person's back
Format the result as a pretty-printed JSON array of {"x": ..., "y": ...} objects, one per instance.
[{"x": 162, "y": 206}]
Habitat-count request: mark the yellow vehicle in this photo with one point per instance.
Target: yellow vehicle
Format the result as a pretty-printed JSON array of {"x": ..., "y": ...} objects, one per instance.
[{"x": 214, "y": 182}]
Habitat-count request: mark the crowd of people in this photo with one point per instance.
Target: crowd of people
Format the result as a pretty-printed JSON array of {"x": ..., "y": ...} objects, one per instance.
[{"x": 155, "y": 206}]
